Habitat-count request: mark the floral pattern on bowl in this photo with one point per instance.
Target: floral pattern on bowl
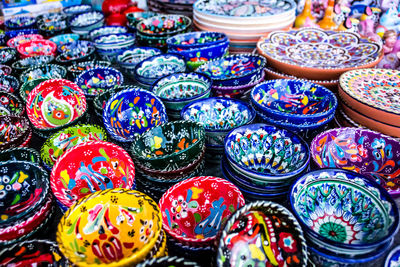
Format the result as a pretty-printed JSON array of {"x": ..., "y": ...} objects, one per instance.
[
  {"x": 9, "y": 84},
  {"x": 50, "y": 71},
  {"x": 64, "y": 38},
  {"x": 30, "y": 62},
  {"x": 192, "y": 40},
  {"x": 13, "y": 131},
  {"x": 164, "y": 25},
  {"x": 10, "y": 105},
  {"x": 20, "y": 39},
  {"x": 37, "y": 48},
  {"x": 20, "y": 22},
  {"x": 97, "y": 80}
]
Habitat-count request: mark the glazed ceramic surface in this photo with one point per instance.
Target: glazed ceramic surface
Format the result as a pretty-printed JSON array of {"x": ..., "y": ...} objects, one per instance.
[
  {"x": 77, "y": 9},
  {"x": 87, "y": 19},
  {"x": 20, "y": 154},
  {"x": 97, "y": 80},
  {"x": 16, "y": 41},
  {"x": 131, "y": 57},
  {"x": 262, "y": 234},
  {"x": 9, "y": 84},
  {"x": 164, "y": 25},
  {"x": 10, "y": 105},
  {"x": 7, "y": 54},
  {"x": 79, "y": 67},
  {"x": 106, "y": 30},
  {"x": 13, "y": 131},
  {"x": 195, "y": 40},
  {"x": 50, "y": 71},
  {"x": 64, "y": 38},
  {"x": 131, "y": 112},
  {"x": 114, "y": 40},
  {"x": 105, "y": 220},
  {"x": 37, "y": 48},
  {"x": 194, "y": 210},
  {"x": 28, "y": 86},
  {"x": 30, "y": 62},
  {"x": 393, "y": 259},
  {"x": 169, "y": 261},
  {"x": 20, "y": 22},
  {"x": 101, "y": 166},
  {"x": 55, "y": 103},
  {"x": 57, "y": 144}
]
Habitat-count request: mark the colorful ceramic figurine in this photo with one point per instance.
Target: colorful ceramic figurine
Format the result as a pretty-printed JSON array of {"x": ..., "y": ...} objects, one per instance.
[
  {"x": 341, "y": 14},
  {"x": 391, "y": 48},
  {"x": 305, "y": 19},
  {"x": 391, "y": 19},
  {"x": 367, "y": 24},
  {"x": 328, "y": 23}
]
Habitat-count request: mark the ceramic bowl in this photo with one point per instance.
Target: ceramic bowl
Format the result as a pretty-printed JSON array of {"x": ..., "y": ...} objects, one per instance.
[
  {"x": 29, "y": 62},
  {"x": 14, "y": 33},
  {"x": 155, "y": 67},
  {"x": 364, "y": 151},
  {"x": 121, "y": 246},
  {"x": 78, "y": 67},
  {"x": 37, "y": 48},
  {"x": 169, "y": 146},
  {"x": 10, "y": 105},
  {"x": 102, "y": 166},
  {"x": 48, "y": 18},
  {"x": 234, "y": 70},
  {"x": 315, "y": 53},
  {"x": 86, "y": 21},
  {"x": 53, "y": 27},
  {"x": 50, "y": 71},
  {"x": 134, "y": 17},
  {"x": 97, "y": 80},
  {"x": 164, "y": 25},
  {"x": 168, "y": 260},
  {"x": 393, "y": 258},
  {"x": 76, "y": 9},
  {"x": 295, "y": 101},
  {"x": 57, "y": 144},
  {"x": 64, "y": 38},
  {"x": 114, "y": 40},
  {"x": 218, "y": 116},
  {"x": 129, "y": 58},
  {"x": 100, "y": 100},
  {"x": 284, "y": 236},
  {"x": 110, "y": 54},
  {"x": 20, "y": 22},
  {"x": 9, "y": 84},
  {"x": 7, "y": 55},
  {"x": 81, "y": 45},
  {"x": 130, "y": 112},
  {"x": 16, "y": 41},
  {"x": 192, "y": 40},
  {"x": 343, "y": 211},
  {"x": 20, "y": 154},
  {"x": 76, "y": 55},
  {"x": 28, "y": 86},
  {"x": 152, "y": 41},
  {"x": 5, "y": 70},
  {"x": 193, "y": 210},
  {"x": 106, "y": 30},
  {"x": 13, "y": 131},
  {"x": 55, "y": 103},
  {"x": 266, "y": 152}
]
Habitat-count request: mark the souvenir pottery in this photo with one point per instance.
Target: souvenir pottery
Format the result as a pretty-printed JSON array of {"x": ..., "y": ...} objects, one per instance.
[
  {"x": 393, "y": 259},
  {"x": 57, "y": 144},
  {"x": 49, "y": 71},
  {"x": 194, "y": 210},
  {"x": 53, "y": 27},
  {"x": 295, "y": 101},
  {"x": 78, "y": 67},
  {"x": 106, "y": 30},
  {"x": 9, "y": 84},
  {"x": 29, "y": 62},
  {"x": 13, "y": 131},
  {"x": 55, "y": 103},
  {"x": 102, "y": 165},
  {"x": 97, "y": 80},
  {"x": 192, "y": 40},
  {"x": 76, "y": 54},
  {"x": 20, "y": 22},
  {"x": 129, "y": 58},
  {"x": 113, "y": 40},
  {"x": 70, "y": 11},
  {"x": 105, "y": 220},
  {"x": 28, "y": 86},
  {"x": 37, "y": 48},
  {"x": 14, "y": 33},
  {"x": 20, "y": 154},
  {"x": 234, "y": 70},
  {"x": 64, "y": 38},
  {"x": 5, "y": 70},
  {"x": 168, "y": 260},
  {"x": 169, "y": 146},
  {"x": 317, "y": 54},
  {"x": 86, "y": 21},
  {"x": 20, "y": 39},
  {"x": 343, "y": 211},
  {"x": 131, "y": 112},
  {"x": 100, "y": 100},
  {"x": 10, "y": 105},
  {"x": 164, "y": 25},
  {"x": 268, "y": 221},
  {"x": 48, "y": 18},
  {"x": 134, "y": 17},
  {"x": 7, "y": 55}
]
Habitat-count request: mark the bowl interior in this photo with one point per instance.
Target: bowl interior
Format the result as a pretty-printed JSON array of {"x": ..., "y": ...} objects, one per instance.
[
  {"x": 10, "y": 105},
  {"x": 163, "y": 24},
  {"x": 37, "y": 48},
  {"x": 16, "y": 41},
  {"x": 97, "y": 80},
  {"x": 196, "y": 39},
  {"x": 133, "y": 56},
  {"x": 160, "y": 65},
  {"x": 48, "y": 71},
  {"x": 64, "y": 38}
]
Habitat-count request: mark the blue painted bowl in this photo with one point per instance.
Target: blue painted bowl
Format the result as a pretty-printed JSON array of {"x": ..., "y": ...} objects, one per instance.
[
  {"x": 192, "y": 40},
  {"x": 76, "y": 9},
  {"x": 266, "y": 152},
  {"x": 234, "y": 70},
  {"x": 20, "y": 22},
  {"x": 134, "y": 17},
  {"x": 7, "y": 55},
  {"x": 9, "y": 84},
  {"x": 106, "y": 30},
  {"x": 75, "y": 45},
  {"x": 393, "y": 258},
  {"x": 129, "y": 58},
  {"x": 131, "y": 112},
  {"x": 14, "y": 33},
  {"x": 294, "y": 101},
  {"x": 110, "y": 54},
  {"x": 85, "y": 22},
  {"x": 97, "y": 80},
  {"x": 64, "y": 39},
  {"x": 79, "y": 67},
  {"x": 344, "y": 211}
]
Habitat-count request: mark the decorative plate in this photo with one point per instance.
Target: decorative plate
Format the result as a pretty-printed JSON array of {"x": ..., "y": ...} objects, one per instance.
[
  {"x": 115, "y": 226},
  {"x": 393, "y": 259},
  {"x": 10, "y": 105},
  {"x": 55, "y": 103},
  {"x": 131, "y": 112},
  {"x": 314, "y": 53},
  {"x": 20, "y": 154},
  {"x": 30, "y": 62},
  {"x": 97, "y": 80},
  {"x": 13, "y": 131},
  {"x": 9, "y": 84},
  {"x": 7, "y": 55},
  {"x": 37, "y": 48},
  {"x": 57, "y": 144},
  {"x": 49, "y": 71},
  {"x": 20, "y": 39},
  {"x": 194, "y": 209}
]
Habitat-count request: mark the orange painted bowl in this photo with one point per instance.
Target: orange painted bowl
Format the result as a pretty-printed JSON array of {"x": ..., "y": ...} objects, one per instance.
[{"x": 317, "y": 54}]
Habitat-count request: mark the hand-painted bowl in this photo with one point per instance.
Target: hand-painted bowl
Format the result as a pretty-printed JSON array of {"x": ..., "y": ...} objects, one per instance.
[
  {"x": 364, "y": 151},
  {"x": 16, "y": 41},
  {"x": 10, "y": 105},
  {"x": 131, "y": 112},
  {"x": 97, "y": 80},
  {"x": 284, "y": 243},
  {"x": 87, "y": 21},
  {"x": 53, "y": 27},
  {"x": 49, "y": 71},
  {"x": 129, "y": 58},
  {"x": 234, "y": 70},
  {"x": 295, "y": 101},
  {"x": 9, "y": 84},
  {"x": 106, "y": 30},
  {"x": 266, "y": 152},
  {"x": 218, "y": 116},
  {"x": 7, "y": 55},
  {"x": 114, "y": 40},
  {"x": 164, "y": 25},
  {"x": 109, "y": 241},
  {"x": 169, "y": 146},
  {"x": 155, "y": 67},
  {"x": 152, "y": 41},
  {"x": 13, "y": 131},
  {"x": 29, "y": 62},
  {"x": 5, "y": 70},
  {"x": 70, "y": 47},
  {"x": 20, "y": 154},
  {"x": 57, "y": 144},
  {"x": 28, "y": 86},
  {"x": 344, "y": 211},
  {"x": 134, "y": 17},
  {"x": 48, "y": 18},
  {"x": 168, "y": 260},
  {"x": 76, "y": 55},
  {"x": 393, "y": 258},
  {"x": 192, "y": 40},
  {"x": 100, "y": 100},
  {"x": 55, "y": 103},
  {"x": 110, "y": 54},
  {"x": 76, "y": 9},
  {"x": 20, "y": 22},
  {"x": 14, "y": 33},
  {"x": 64, "y": 38},
  {"x": 102, "y": 165},
  {"x": 78, "y": 67},
  {"x": 194, "y": 209},
  {"x": 37, "y": 48}
]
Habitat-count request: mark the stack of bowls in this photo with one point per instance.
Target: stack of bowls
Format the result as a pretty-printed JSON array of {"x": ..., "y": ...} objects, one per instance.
[
  {"x": 369, "y": 97},
  {"x": 219, "y": 116},
  {"x": 109, "y": 46},
  {"x": 244, "y": 24},
  {"x": 83, "y": 23},
  {"x": 180, "y": 89},
  {"x": 167, "y": 154},
  {"x": 234, "y": 75},
  {"x": 193, "y": 211},
  {"x": 296, "y": 105},
  {"x": 129, "y": 58},
  {"x": 199, "y": 47},
  {"x": 347, "y": 219},
  {"x": 263, "y": 160},
  {"x": 51, "y": 24}
]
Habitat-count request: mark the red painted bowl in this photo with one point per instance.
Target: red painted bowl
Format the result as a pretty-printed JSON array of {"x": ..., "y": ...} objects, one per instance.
[{"x": 37, "y": 47}]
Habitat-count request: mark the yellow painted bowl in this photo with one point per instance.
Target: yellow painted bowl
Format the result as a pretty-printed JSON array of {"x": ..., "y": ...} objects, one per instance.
[{"x": 114, "y": 227}]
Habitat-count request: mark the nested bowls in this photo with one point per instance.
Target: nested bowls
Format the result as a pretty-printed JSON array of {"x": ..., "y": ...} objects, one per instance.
[
  {"x": 284, "y": 243},
  {"x": 109, "y": 241},
  {"x": 10, "y": 105},
  {"x": 129, "y": 58},
  {"x": 131, "y": 112},
  {"x": 194, "y": 209},
  {"x": 37, "y": 48},
  {"x": 169, "y": 146},
  {"x": 29, "y": 62},
  {"x": 8, "y": 55},
  {"x": 9, "y": 84},
  {"x": 14, "y": 131},
  {"x": 49, "y": 71}
]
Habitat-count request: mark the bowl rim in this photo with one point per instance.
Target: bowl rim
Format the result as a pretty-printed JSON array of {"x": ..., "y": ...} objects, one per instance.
[
  {"x": 83, "y": 73},
  {"x": 63, "y": 72},
  {"x": 29, "y": 43},
  {"x": 29, "y": 150},
  {"x": 31, "y": 36},
  {"x": 75, "y": 16},
  {"x": 99, "y": 29},
  {"x": 128, "y": 34},
  {"x": 15, "y": 98},
  {"x": 196, "y": 34},
  {"x": 165, "y": 55},
  {"x": 187, "y": 22},
  {"x": 66, "y": 9},
  {"x": 131, "y": 49},
  {"x": 11, "y": 79},
  {"x": 17, "y": 64},
  {"x": 390, "y": 255}
]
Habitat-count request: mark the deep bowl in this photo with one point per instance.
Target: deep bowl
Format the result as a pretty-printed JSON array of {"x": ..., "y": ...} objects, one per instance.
[
  {"x": 37, "y": 48},
  {"x": 192, "y": 40},
  {"x": 7, "y": 55},
  {"x": 13, "y": 131},
  {"x": 9, "y": 84},
  {"x": 10, "y": 105},
  {"x": 29, "y": 62},
  {"x": 64, "y": 39},
  {"x": 49, "y": 71},
  {"x": 164, "y": 25}
]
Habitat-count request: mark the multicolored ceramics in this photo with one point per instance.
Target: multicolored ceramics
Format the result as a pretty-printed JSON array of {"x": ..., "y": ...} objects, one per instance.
[
  {"x": 10, "y": 105},
  {"x": 164, "y": 25},
  {"x": 64, "y": 38},
  {"x": 393, "y": 259},
  {"x": 49, "y": 71},
  {"x": 29, "y": 62},
  {"x": 9, "y": 84},
  {"x": 106, "y": 30},
  {"x": 37, "y": 48},
  {"x": 75, "y": 53},
  {"x": 115, "y": 226},
  {"x": 192, "y": 40},
  {"x": 16, "y": 41},
  {"x": 168, "y": 261},
  {"x": 28, "y": 86},
  {"x": 317, "y": 54},
  {"x": 7, "y": 55},
  {"x": 194, "y": 209},
  {"x": 55, "y": 103},
  {"x": 262, "y": 233},
  {"x": 131, "y": 112},
  {"x": 129, "y": 58},
  {"x": 13, "y": 131},
  {"x": 101, "y": 166},
  {"x": 20, "y": 22},
  {"x": 78, "y": 67},
  {"x": 20, "y": 154}
]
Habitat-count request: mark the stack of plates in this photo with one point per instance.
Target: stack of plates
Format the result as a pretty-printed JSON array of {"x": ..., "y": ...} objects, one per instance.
[
  {"x": 181, "y": 7},
  {"x": 242, "y": 21}
]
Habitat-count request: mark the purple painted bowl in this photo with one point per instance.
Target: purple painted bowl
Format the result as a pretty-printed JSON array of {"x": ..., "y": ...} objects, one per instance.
[{"x": 370, "y": 153}]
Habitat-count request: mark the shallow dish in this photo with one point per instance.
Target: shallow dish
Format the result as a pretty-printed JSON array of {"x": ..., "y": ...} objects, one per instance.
[
  {"x": 9, "y": 84},
  {"x": 49, "y": 71},
  {"x": 37, "y": 48},
  {"x": 97, "y": 80}
]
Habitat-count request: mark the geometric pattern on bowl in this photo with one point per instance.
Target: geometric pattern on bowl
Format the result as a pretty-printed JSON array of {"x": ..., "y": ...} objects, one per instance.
[
  {"x": 55, "y": 103},
  {"x": 370, "y": 153},
  {"x": 97, "y": 80},
  {"x": 131, "y": 112},
  {"x": 49, "y": 71},
  {"x": 298, "y": 101},
  {"x": 101, "y": 166}
]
